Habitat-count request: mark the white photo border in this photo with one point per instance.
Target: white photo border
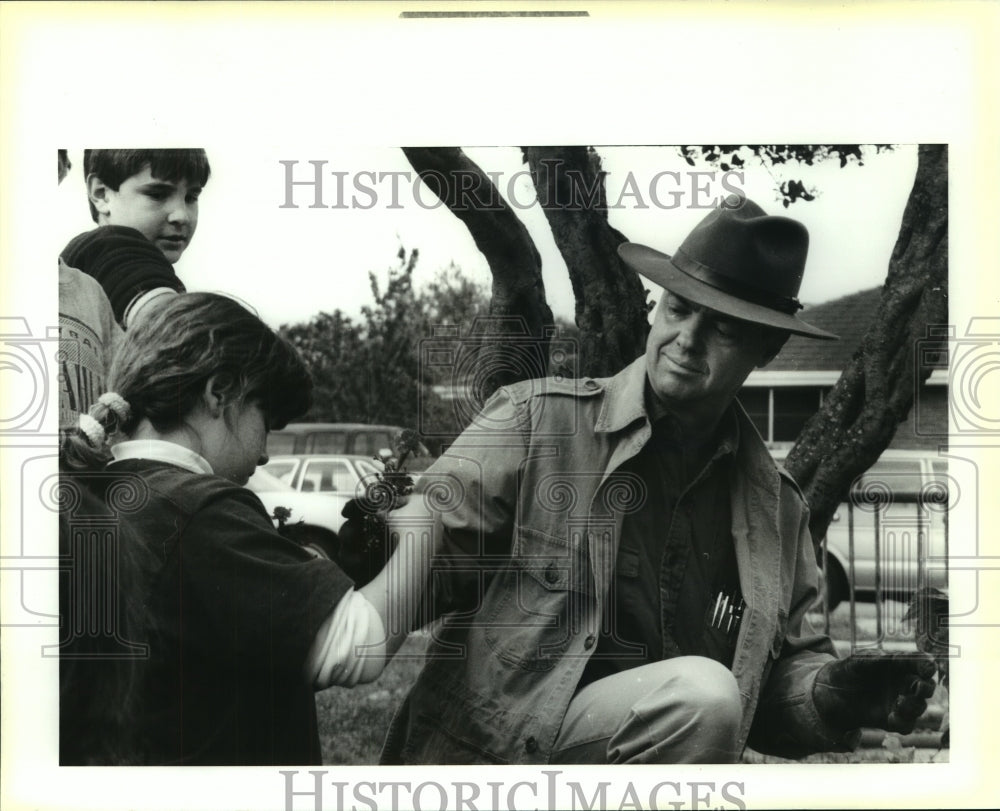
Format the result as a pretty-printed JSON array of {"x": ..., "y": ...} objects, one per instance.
[{"x": 316, "y": 75}]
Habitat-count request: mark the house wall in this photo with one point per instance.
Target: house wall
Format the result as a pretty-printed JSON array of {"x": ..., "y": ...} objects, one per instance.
[
  {"x": 932, "y": 430},
  {"x": 925, "y": 428}
]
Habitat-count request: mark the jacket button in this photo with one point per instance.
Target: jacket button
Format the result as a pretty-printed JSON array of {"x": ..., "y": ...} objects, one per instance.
[
  {"x": 551, "y": 575},
  {"x": 588, "y": 643},
  {"x": 531, "y": 745},
  {"x": 590, "y": 384}
]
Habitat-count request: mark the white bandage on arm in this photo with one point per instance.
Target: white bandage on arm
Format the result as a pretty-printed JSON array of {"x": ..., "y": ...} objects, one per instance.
[{"x": 350, "y": 645}]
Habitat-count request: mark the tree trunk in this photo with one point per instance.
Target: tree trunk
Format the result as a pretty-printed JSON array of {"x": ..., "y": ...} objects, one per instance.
[
  {"x": 610, "y": 300},
  {"x": 876, "y": 391},
  {"x": 513, "y": 343}
]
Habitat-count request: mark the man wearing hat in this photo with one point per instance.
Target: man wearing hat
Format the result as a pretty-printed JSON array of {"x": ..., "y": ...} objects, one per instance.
[{"x": 623, "y": 570}]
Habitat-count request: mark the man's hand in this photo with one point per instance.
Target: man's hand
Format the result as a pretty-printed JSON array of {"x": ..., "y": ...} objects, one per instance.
[{"x": 869, "y": 689}]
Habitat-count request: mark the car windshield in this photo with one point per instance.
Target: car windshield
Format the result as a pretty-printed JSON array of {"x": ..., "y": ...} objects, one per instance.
[
  {"x": 282, "y": 469},
  {"x": 369, "y": 466},
  {"x": 328, "y": 475},
  {"x": 263, "y": 482},
  {"x": 280, "y": 442}
]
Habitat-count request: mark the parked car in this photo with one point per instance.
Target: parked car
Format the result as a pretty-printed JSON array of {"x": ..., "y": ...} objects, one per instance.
[
  {"x": 315, "y": 487},
  {"x": 909, "y": 532},
  {"x": 333, "y": 475},
  {"x": 351, "y": 438},
  {"x": 317, "y": 515}
]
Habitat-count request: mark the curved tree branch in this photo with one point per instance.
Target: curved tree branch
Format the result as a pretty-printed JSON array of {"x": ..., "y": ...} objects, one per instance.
[
  {"x": 876, "y": 391},
  {"x": 518, "y": 308},
  {"x": 610, "y": 300}
]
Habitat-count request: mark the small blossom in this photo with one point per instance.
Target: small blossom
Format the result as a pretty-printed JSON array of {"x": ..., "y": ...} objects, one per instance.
[{"x": 405, "y": 442}]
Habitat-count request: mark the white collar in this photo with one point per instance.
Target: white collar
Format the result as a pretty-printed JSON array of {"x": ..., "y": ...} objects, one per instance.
[{"x": 160, "y": 450}]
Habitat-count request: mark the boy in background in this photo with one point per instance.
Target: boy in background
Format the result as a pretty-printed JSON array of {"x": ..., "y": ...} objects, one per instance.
[{"x": 150, "y": 191}]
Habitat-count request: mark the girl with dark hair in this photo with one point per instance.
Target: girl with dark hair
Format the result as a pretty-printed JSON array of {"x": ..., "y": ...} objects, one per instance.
[{"x": 192, "y": 631}]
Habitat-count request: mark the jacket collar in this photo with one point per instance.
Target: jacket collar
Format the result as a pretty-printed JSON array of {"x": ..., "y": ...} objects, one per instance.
[
  {"x": 752, "y": 453},
  {"x": 159, "y": 450},
  {"x": 624, "y": 400}
]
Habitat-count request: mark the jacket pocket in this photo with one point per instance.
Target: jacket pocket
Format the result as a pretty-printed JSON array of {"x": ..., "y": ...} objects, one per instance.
[{"x": 539, "y": 602}]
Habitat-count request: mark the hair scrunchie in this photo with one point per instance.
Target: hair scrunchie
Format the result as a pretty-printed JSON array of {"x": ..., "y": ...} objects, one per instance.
[
  {"x": 118, "y": 404},
  {"x": 93, "y": 430}
]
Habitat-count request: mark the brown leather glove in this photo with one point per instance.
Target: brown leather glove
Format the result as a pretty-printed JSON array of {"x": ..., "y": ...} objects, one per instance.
[{"x": 871, "y": 689}]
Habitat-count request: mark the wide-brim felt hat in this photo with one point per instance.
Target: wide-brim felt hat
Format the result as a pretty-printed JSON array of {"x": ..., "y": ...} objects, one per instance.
[{"x": 738, "y": 261}]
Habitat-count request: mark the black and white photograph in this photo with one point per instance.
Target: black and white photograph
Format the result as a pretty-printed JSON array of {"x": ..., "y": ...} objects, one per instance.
[{"x": 386, "y": 415}]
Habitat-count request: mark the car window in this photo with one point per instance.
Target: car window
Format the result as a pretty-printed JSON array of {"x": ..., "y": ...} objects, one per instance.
[
  {"x": 263, "y": 481},
  {"x": 280, "y": 442},
  {"x": 939, "y": 469},
  {"x": 328, "y": 476},
  {"x": 367, "y": 467},
  {"x": 369, "y": 443},
  {"x": 327, "y": 442},
  {"x": 901, "y": 477},
  {"x": 283, "y": 469}
]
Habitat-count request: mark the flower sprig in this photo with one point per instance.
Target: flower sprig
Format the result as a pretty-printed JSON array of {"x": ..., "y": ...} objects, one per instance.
[
  {"x": 281, "y": 515},
  {"x": 404, "y": 443},
  {"x": 285, "y": 528},
  {"x": 391, "y": 485},
  {"x": 365, "y": 545}
]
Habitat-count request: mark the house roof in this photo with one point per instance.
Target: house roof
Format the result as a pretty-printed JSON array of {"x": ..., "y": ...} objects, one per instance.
[{"x": 848, "y": 317}]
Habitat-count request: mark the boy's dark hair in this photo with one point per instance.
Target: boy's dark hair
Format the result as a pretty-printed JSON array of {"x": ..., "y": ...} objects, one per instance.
[
  {"x": 114, "y": 166},
  {"x": 64, "y": 164}
]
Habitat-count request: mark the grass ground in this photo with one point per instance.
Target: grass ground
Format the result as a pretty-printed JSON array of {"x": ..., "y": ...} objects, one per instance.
[{"x": 352, "y": 723}]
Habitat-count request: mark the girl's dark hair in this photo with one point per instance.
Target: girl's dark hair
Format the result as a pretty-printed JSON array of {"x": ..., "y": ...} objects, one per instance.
[
  {"x": 115, "y": 166},
  {"x": 165, "y": 361}
]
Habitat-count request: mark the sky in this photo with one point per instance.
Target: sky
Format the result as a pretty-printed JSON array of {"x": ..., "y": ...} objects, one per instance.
[{"x": 290, "y": 263}]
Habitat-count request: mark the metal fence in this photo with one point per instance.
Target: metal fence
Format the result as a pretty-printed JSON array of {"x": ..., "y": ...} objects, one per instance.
[
  {"x": 898, "y": 548},
  {"x": 908, "y": 547}
]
